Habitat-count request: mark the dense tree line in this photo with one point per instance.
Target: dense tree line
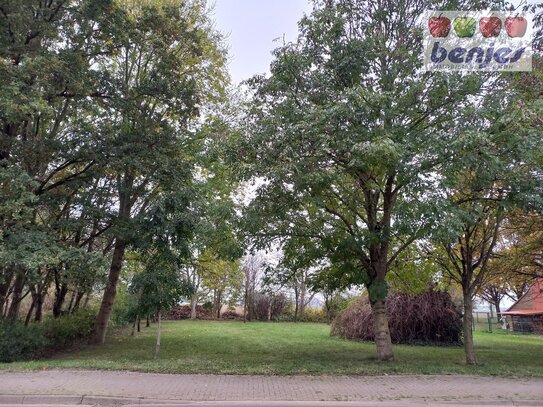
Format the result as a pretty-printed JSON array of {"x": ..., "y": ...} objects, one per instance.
[
  {"x": 102, "y": 146},
  {"x": 123, "y": 155}
]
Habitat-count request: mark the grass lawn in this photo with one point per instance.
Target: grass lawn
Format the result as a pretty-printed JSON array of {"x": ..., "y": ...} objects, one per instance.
[{"x": 288, "y": 348}]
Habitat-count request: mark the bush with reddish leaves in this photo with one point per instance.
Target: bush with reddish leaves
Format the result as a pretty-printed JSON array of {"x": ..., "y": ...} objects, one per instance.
[
  {"x": 278, "y": 304},
  {"x": 230, "y": 314},
  {"x": 183, "y": 312},
  {"x": 427, "y": 318}
]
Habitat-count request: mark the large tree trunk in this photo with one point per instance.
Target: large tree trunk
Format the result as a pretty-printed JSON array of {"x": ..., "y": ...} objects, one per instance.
[
  {"x": 382, "y": 332},
  {"x": 39, "y": 305},
  {"x": 125, "y": 185},
  {"x": 30, "y": 310},
  {"x": 328, "y": 311},
  {"x": 495, "y": 297},
  {"x": 134, "y": 326},
  {"x": 217, "y": 303},
  {"x": 100, "y": 326},
  {"x": 16, "y": 296},
  {"x": 5, "y": 283},
  {"x": 468, "y": 330},
  {"x": 71, "y": 304},
  {"x": 193, "y": 303},
  {"x": 61, "y": 290}
]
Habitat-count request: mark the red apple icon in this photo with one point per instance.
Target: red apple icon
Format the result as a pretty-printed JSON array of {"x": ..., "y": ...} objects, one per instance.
[
  {"x": 439, "y": 26},
  {"x": 516, "y": 26},
  {"x": 490, "y": 26}
]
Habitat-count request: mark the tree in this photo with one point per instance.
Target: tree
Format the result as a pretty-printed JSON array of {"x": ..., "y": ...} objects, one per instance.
[
  {"x": 343, "y": 136},
  {"x": 160, "y": 287},
  {"x": 215, "y": 218},
  {"x": 494, "y": 168},
  {"x": 99, "y": 120},
  {"x": 253, "y": 268},
  {"x": 298, "y": 280},
  {"x": 223, "y": 277},
  {"x": 493, "y": 294},
  {"x": 47, "y": 50},
  {"x": 168, "y": 62},
  {"x": 163, "y": 248}
]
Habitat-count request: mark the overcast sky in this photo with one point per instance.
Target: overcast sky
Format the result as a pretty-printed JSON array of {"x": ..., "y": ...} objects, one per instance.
[{"x": 251, "y": 26}]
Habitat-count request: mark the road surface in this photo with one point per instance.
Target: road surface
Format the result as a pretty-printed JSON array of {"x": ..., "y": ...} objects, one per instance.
[{"x": 76, "y": 387}]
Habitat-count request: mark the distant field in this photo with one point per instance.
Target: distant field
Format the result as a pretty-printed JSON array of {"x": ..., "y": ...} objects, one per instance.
[{"x": 288, "y": 348}]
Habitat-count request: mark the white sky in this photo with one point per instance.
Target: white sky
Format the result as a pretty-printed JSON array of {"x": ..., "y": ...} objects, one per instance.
[{"x": 251, "y": 26}]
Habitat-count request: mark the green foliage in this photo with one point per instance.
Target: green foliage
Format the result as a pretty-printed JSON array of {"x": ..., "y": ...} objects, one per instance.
[
  {"x": 159, "y": 285},
  {"x": 124, "y": 309},
  {"x": 20, "y": 342},
  {"x": 377, "y": 290},
  {"x": 219, "y": 274},
  {"x": 317, "y": 315},
  {"x": 100, "y": 137},
  {"x": 413, "y": 272},
  {"x": 69, "y": 329},
  {"x": 344, "y": 134}
]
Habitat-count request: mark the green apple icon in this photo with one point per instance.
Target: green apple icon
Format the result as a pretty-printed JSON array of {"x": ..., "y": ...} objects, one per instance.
[{"x": 465, "y": 26}]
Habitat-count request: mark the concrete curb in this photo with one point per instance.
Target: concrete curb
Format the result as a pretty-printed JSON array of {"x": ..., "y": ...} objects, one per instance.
[{"x": 70, "y": 400}]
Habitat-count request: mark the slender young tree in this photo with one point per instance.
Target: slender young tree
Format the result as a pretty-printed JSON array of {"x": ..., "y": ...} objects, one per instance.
[{"x": 494, "y": 168}]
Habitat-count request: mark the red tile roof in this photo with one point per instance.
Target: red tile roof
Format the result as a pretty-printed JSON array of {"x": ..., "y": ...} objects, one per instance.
[
  {"x": 530, "y": 303},
  {"x": 522, "y": 312}
]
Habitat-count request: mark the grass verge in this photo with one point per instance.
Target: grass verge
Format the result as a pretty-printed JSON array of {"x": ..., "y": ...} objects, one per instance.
[{"x": 288, "y": 348}]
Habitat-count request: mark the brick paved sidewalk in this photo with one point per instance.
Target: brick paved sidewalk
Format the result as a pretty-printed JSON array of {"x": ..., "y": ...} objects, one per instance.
[{"x": 84, "y": 385}]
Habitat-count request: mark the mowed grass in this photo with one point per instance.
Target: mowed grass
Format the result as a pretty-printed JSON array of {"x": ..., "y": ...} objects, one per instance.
[{"x": 288, "y": 348}]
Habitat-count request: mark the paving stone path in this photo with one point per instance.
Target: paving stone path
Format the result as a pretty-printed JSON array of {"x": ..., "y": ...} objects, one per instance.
[{"x": 81, "y": 386}]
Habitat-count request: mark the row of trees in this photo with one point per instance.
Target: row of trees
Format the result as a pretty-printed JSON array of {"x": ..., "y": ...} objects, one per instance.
[
  {"x": 103, "y": 150},
  {"x": 119, "y": 136},
  {"x": 362, "y": 155}
]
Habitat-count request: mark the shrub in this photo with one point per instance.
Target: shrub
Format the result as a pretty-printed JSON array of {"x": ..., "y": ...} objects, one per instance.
[
  {"x": 231, "y": 314},
  {"x": 19, "y": 342},
  {"x": 427, "y": 318},
  {"x": 123, "y": 310},
  {"x": 278, "y": 302},
  {"x": 311, "y": 314},
  {"x": 69, "y": 329},
  {"x": 315, "y": 315},
  {"x": 337, "y": 303},
  {"x": 183, "y": 312}
]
